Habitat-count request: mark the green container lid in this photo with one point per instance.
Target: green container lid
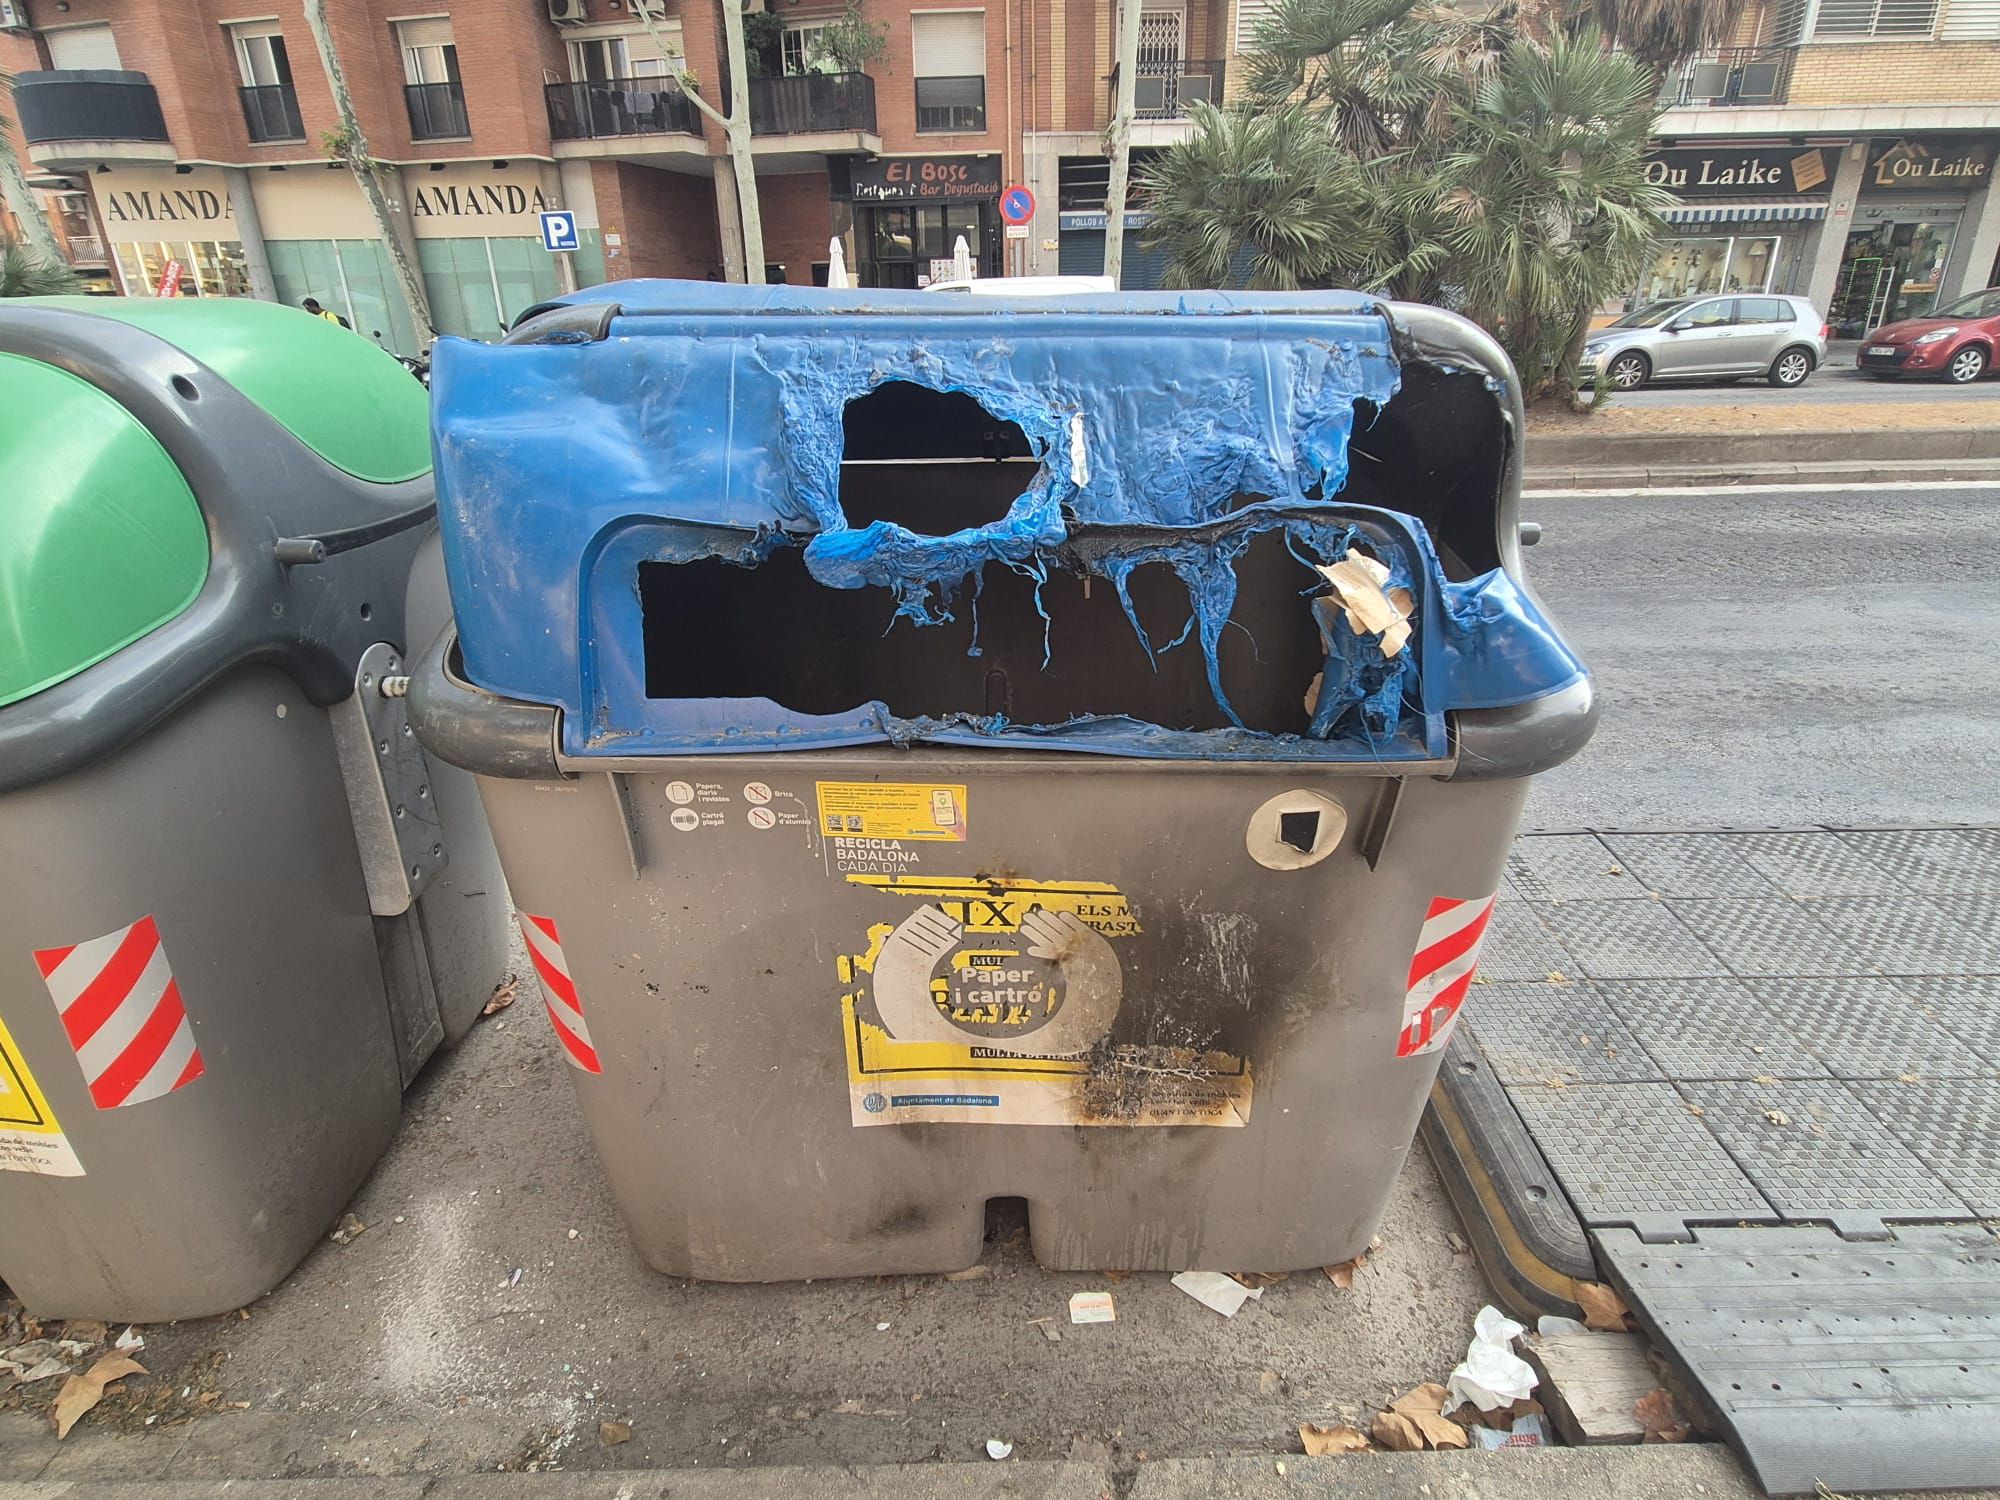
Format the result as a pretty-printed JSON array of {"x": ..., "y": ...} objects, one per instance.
[
  {"x": 340, "y": 394},
  {"x": 105, "y": 539}
]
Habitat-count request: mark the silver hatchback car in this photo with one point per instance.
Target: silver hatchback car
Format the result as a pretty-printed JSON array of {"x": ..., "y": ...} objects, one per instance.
[{"x": 1709, "y": 338}]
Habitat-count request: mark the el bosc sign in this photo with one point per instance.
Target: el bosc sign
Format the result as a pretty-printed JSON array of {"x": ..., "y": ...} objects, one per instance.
[
  {"x": 1926, "y": 162},
  {"x": 1738, "y": 171},
  {"x": 924, "y": 179}
]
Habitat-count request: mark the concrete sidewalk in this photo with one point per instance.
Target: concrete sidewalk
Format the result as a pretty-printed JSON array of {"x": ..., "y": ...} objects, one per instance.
[{"x": 1837, "y": 455}]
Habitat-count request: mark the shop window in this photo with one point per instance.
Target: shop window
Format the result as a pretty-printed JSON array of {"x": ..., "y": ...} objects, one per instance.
[
  {"x": 948, "y": 51},
  {"x": 477, "y": 287},
  {"x": 353, "y": 278},
  {"x": 199, "y": 268},
  {"x": 1702, "y": 265}
]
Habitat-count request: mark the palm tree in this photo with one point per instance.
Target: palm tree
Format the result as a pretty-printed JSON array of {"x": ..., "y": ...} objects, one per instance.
[
  {"x": 25, "y": 274},
  {"x": 16, "y": 194},
  {"x": 1546, "y": 209},
  {"x": 1659, "y": 33}
]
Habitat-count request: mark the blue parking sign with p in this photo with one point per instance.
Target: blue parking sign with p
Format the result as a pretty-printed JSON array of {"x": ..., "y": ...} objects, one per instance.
[{"x": 559, "y": 231}]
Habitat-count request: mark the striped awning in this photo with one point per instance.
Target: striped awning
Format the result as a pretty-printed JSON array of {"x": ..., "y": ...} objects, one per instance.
[{"x": 1743, "y": 213}]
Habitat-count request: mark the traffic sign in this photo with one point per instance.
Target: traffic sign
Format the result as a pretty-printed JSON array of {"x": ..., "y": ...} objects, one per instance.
[
  {"x": 1017, "y": 205},
  {"x": 559, "y": 232}
]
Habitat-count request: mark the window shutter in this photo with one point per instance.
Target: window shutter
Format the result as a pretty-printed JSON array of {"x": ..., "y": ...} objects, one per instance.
[
  {"x": 83, "y": 47},
  {"x": 949, "y": 44},
  {"x": 1249, "y": 15},
  {"x": 432, "y": 31},
  {"x": 1971, "y": 21}
]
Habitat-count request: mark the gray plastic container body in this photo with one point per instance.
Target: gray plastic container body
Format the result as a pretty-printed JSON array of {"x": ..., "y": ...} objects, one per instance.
[
  {"x": 188, "y": 792},
  {"x": 228, "y": 826},
  {"x": 710, "y": 936}
]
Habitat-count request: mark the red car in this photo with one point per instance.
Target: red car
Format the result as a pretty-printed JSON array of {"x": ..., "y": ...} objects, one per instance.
[{"x": 1957, "y": 342}]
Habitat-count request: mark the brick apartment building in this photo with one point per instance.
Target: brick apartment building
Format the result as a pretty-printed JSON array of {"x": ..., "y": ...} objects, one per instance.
[
  {"x": 192, "y": 135},
  {"x": 1844, "y": 150},
  {"x": 1840, "y": 148}
]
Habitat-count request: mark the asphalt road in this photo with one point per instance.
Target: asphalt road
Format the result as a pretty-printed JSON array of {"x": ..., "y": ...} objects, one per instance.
[
  {"x": 1834, "y": 384},
  {"x": 1779, "y": 658}
]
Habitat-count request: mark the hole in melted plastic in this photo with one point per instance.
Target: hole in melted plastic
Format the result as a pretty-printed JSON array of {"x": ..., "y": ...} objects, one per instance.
[
  {"x": 1299, "y": 829},
  {"x": 817, "y": 650},
  {"x": 934, "y": 462}
]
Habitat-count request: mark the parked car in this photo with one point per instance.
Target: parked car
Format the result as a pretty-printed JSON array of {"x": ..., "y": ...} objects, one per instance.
[
  {"x": 1955, "y": 343},
  {"x": 1028, "y": 286},
  {"x": 1709, "y": 338}
]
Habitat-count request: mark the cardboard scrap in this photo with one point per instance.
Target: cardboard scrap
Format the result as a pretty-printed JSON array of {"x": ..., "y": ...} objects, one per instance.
[
  {"x": 1321, "y": 1441},
  {"x": 1358, "y": 583},
  {"x": 82, "y": 1392},
  {"x": 611, "y": 1434}
]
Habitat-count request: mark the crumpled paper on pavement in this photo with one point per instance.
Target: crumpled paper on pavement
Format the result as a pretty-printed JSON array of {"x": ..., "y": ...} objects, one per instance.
[{"x": 1493, "y": 1375}]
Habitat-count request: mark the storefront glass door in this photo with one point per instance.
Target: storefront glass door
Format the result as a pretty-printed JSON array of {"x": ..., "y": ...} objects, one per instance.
[
  {"x": 898, "y": 244},
  {"x": 1890, "y": 271},
  {"x": 1703, "y": 265}
]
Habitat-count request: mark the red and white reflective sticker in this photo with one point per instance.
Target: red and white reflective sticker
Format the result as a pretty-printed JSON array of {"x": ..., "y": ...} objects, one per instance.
[
  {"x": 123, "y": 1013},
  {"x": 559, "y": 991},
  {"x": 1441, "y": 972}
]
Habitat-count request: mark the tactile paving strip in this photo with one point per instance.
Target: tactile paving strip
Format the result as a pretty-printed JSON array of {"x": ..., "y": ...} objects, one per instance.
[
  {"x": 1837, "y": 1366},
  {"x": 1866, "y": 1028},
  {"x": 1569, "y": 867},
  {"x": 1532, "y": 1033},
  {"x": 1951, "y": 1125},
  {"x": 1818, "y": 1153},
  {"x": 1967, "y": 1005},
  {"x": 1708, "y": 1028},
  {"x": 1813, "y": 864},
  {"x": 1629, "y": 940},
  {"x": 1688, "y": 864},
  {"x": 1633, "y": 1153},
  {"x": 1913, "y": 935},
  {"x": 1929, "y": 861},
  {"x": 1771, "y": 937},
  {"x": 1518, "y": 947}
]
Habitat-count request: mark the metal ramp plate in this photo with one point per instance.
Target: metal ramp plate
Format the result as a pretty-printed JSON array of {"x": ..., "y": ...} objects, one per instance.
[{"x": 1858, "y": 1365}]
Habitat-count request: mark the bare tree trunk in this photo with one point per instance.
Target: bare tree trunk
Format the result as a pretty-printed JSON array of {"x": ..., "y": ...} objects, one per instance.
[
  {"x": 1119, "y": 138},
  {"x": 354, "y": 151},
  {"x": 21, "y": 198},
  {"x": 735, "y": 127}
]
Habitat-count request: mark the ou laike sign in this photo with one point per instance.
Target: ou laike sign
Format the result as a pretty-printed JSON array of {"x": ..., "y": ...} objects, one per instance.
[
  {"x": 1738, "y": 172},
  {"x": 1923, "y": 162}
]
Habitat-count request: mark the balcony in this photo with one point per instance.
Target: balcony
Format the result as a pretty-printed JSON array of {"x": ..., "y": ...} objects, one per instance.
[
  {"x": 612, "y": 107},
  {"x": 74, "y": 118},
  {"x": 1163, "y": 89},
  {"x": 1737, "y": 76},
  {"x": 271, "y": 113},
  {"x": 813, "y": 104},
  {"x": 86, "y": 250},
  {"x": 437, "y": 111}
]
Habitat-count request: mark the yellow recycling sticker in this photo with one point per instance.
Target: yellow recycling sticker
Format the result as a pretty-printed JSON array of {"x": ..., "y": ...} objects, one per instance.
[
  {"x": 997, "y": 1001},
  {"x": 30, "y": 1138},
  {"x": 891, "y": 810}
]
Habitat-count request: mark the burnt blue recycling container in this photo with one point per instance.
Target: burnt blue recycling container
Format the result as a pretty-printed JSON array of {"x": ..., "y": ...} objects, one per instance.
[{"x": 950, "y": 750}]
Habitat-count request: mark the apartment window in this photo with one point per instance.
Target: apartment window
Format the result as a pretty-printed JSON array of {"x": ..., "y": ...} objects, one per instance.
[
  {"x": 82, "y": 47},
  {"x": 270, "y": 104},
  {"x": 949, "y": 54},
  {"x": 1834, "y": 20},
  {"x": 431, "y": 84},
  {"x": 602, "y": 58},
  {"x": 800, "y": 49}
]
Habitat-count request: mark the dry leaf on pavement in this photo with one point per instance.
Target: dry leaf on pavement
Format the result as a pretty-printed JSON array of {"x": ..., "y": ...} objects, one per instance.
[
  {"x": 86, "y": 1330},
  {"x": 1658, "y": 1419},
  {"x": 611, "y": 1434},
  {"x": 1258, "y": 1280},
  {"x": 1342, "y": 1275},
  {"x": 1603, "y": 1309},
  {"x": 348, "y": 1230},
  {"x": 970, "y": 1273},
  {"x": 1269, "y": 1382},
  {"x": 1423, "y": 1408},
  {"x": 502, "y": 997},
  {"x": 1321, "y": 1441},
  {"x": 1396, "y": 1432},
  {"x": 81, "y": 1392}
]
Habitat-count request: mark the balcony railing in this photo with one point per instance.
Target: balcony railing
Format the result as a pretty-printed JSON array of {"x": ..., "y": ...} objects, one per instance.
[
  {"x": 437, "y": 111},
  {"x": 1163, "y": 90},
  {"x": 811, "y": 103},
  {"x": 86, "y": 250},
  {"x": 1740, "y": 75},
  {"x": 271, "y": 111},
  {"x": 88, "y": 104},
  {"x": 613, "y": 107}
]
